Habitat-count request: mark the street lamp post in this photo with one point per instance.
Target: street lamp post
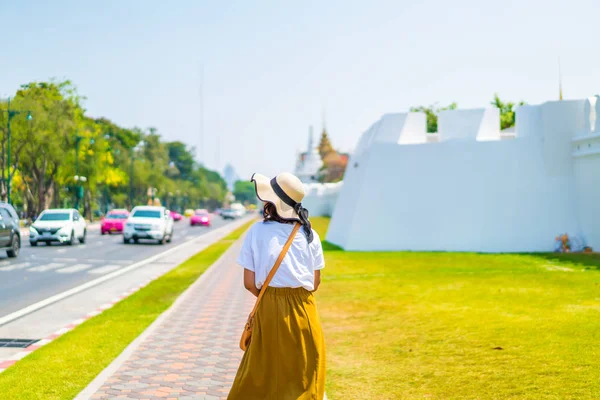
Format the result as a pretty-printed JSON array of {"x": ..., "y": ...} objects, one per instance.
[
  {"x": 152, "y": 194},
  {"x": 77, "y": 177},
  {"x": 131, "y": 157},
  {"x": 11, "y": 114},
  {"x": 78, "y": 189},
  {"x": 108, "y": 150}
]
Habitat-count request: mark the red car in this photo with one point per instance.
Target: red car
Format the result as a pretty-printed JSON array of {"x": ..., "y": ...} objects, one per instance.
[
  {"x": 176, "y": 216},
  {"x": 114, "y": 221},
  {"x": 200, "y": 217}
]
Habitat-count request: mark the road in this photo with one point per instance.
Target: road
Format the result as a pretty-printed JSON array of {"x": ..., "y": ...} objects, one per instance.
[{"x": 43, "y": 271}]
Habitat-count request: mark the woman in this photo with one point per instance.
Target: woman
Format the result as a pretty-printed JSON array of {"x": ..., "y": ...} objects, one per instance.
[{"x": 286, "y": 356}]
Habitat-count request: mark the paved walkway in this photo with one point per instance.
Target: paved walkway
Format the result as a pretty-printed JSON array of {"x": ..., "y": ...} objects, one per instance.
[{"x": 191, "y": 351}]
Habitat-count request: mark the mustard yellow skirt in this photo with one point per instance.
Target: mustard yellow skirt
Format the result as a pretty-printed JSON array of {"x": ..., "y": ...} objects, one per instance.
[{"x": 286, "y": 356}]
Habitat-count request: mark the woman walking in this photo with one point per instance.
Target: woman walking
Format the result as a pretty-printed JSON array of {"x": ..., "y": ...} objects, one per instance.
[{"x": 285, "y": 359}]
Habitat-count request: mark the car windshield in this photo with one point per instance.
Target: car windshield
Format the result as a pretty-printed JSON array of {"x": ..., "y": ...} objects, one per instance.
[
  {"x": 146, "y": 214},
  {"x": 203, "y": 213},
  {"x": 55, "y": 217},
  {"x": 117, "y": 216}
]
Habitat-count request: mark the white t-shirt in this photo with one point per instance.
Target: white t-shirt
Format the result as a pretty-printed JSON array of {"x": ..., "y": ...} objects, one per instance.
[{"x": 263, "y": 244}]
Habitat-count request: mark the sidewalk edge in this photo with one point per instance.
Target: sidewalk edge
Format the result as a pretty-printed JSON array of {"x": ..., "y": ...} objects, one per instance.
[{"x": 103, "y": 376}]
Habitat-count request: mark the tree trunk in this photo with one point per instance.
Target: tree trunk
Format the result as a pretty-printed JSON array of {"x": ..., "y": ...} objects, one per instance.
[
  {"x": 87, "y": 211},
  {"x": 49, "y": 196}
]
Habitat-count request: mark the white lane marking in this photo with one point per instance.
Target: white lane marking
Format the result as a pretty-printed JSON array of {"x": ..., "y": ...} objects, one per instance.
[
  {"x": 4, "y": 262},
  {"x": 61, "y": 251},
  {"x": 74, "y": 268},
  {"x": 13, "y": 267},
  {"x": 66, "y": 259},
  {"x": 46, "y": 267},
  {"x": 104, "y": 270},
  {"x": 227, "y": 228}
]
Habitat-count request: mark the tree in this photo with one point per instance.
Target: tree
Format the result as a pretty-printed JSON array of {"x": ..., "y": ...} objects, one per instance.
[
  {"x": 432, "y": 113},
  {"x": 115, "y": 160},
  {"x": 46, "y": 141},
  {"x": 244, "y": 191},
  {"x": 507, "y": 111},
  {"x": 182, "y": 159}
]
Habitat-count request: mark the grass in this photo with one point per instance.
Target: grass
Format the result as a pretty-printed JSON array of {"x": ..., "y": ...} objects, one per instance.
[
  {"x": 409, "y": 325},
  {"x": 64, "y": 367}
]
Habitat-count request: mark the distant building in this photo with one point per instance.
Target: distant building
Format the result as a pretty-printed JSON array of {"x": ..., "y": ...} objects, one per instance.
[
  {"x": 230, "y": 176},
  {"x": 309, "y": 163}
]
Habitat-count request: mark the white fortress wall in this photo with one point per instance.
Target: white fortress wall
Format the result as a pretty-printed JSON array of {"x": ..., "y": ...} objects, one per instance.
[
  {"x": 585, "y": 150},
  {"x": 471, "y": 191},
  {"x": 347, "y": 201},
  {"x": 390, "y": 129},
  {"x": 320, "y": 198},
  {"x": 476, "y": 124}
]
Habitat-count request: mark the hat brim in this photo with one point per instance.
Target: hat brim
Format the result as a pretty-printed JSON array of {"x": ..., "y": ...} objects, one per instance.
[{"x": 266, "y": 194}]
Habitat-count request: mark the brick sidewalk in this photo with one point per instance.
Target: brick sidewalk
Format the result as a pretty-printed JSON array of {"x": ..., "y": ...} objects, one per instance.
[{"x": 193, "y": 352}]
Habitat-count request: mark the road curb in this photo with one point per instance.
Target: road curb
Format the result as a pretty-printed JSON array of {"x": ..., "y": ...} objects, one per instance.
[
  {"x": 6, "y": 363},
  {"x": 16, "y": 357}
]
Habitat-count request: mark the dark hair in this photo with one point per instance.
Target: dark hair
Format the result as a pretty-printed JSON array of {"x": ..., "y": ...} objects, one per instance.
[{"x": 270, "y": 214}]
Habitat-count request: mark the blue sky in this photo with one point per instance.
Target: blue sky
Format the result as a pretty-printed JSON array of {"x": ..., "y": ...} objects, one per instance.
[{"x": 272, "y": 67}]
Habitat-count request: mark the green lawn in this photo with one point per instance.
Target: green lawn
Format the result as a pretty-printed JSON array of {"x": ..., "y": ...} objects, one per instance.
[
  {"x": 61, "y": 369},
  {"x": 411, "y": 325}
]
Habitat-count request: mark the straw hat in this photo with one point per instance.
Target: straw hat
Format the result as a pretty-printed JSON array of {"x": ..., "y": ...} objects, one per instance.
[{"x": 285, "y": 192}]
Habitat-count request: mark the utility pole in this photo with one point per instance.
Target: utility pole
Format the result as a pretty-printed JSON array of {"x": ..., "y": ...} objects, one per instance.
[{"x": 201, "y": 155}]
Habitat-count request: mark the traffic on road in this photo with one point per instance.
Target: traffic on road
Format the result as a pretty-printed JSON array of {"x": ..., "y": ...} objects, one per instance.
[{"x": 74, "y": 252}]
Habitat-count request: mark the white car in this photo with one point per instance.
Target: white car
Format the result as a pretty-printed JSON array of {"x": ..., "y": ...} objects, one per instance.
[
  {"x": 63, "y": 225},
  {"x": 148, "y": 222}
]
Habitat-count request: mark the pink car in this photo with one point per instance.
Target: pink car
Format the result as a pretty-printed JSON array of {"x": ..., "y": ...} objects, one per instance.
[
  {"x": 200, "y": 217},
  {"x": 176, "y": 216},
  {"x": 114, "y": 221}
]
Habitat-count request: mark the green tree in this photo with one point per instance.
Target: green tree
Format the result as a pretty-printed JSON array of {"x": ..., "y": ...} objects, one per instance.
[
  {"x": 432, "y": 112},
  {"x": 114, "y": 159},
  {"x": 507, "y": 111},
  {"x": 244, "y": 191},
  {"x": 46, "y": 141},
  {"x": 182, "y": 159}
]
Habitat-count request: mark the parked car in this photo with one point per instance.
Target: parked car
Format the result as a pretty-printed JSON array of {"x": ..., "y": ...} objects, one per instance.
[
  {"x": 63, "y": 225},
  {"x": 200, "y": 217},
  {"x": 148, "y": 222},
  {"x": 176, "y": 216},
  {"x": 10, "y": 230},
  {"x": 113, "y": 221},
  {"x": 189, "y": 212}
]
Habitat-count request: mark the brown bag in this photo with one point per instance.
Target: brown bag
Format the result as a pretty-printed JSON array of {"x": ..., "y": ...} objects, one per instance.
[{"x": 247, "y": 334}]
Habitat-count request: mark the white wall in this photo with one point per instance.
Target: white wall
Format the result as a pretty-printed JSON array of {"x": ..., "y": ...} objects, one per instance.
[
  {"x": 320, "y": 198},
  {"x": 472, "y": 192},
  {"x": 476, "y": 124}
]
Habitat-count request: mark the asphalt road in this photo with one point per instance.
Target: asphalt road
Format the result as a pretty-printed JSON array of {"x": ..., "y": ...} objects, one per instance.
[{"x": 43, "y": 271}]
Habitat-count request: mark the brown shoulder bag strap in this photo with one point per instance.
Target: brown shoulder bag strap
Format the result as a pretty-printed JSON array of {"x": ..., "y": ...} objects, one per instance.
[{"x": 275, "y": 267}]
